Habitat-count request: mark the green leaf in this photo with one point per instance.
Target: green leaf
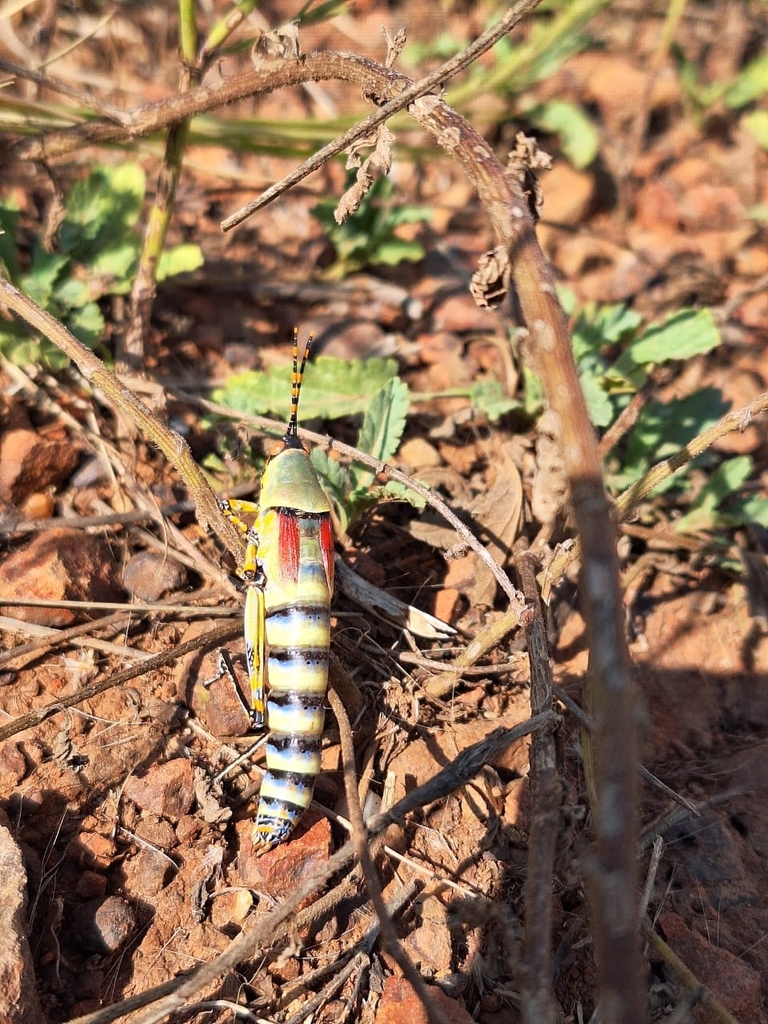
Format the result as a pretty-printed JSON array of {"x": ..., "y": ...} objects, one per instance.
[
  {"x": 181, "y": 259},
  {"x": 117, "y": 264},
  {"x": 723, "y": 482},
  {"x": 73, "y": 292},
  {"x": 44, "y": 272},
  {"x": 309, "y": 14},
  {"x": 599, "y": 405},
  {"x": 750, "y": 84},
  {"x": 664, "y": 428},
  {"x": 401, "y": 492},
  {"x": 23, "y": 349},
  {"x": 384, "y": 420},
  {"x": 756, "y": 123},
  {"x": 578, "y": 134},
  {"x": 394, "y": 251},
  {"x": 753, "y": 509},
  {"x": 101, "y": 209},
  {"x": 682, "y": 335},
  {"x": 87, "y": 324},
  {"x": 488, "y": 396},
  {"x": 9, "y": 253},
  {"x": 336, "y": 483},
  {"x": 598, "y": 326},
  {"x": 334, "y": 388},
  {"x": 367, "y": 237}
]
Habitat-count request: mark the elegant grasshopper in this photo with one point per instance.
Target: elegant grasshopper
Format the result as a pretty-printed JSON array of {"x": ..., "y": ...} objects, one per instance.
[{"x": 288, "y": 572}]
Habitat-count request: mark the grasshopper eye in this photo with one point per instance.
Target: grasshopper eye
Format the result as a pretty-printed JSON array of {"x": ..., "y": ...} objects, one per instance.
[{"x": 277, "y": 447}]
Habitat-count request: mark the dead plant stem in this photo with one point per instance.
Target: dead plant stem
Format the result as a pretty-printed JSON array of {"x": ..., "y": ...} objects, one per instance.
[{"x": 546, "y": 797}]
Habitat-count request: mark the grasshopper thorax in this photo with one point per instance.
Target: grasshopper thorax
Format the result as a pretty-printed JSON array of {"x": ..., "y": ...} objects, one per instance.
[{"x": 290, "y": 481}]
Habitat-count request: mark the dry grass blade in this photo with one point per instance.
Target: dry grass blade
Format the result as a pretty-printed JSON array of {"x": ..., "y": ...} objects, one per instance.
[{"x": 546, "y": 799}]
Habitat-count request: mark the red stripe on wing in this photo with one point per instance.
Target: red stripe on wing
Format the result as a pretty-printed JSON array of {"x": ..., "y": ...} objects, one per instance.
[{"x": 288, "y": 545}]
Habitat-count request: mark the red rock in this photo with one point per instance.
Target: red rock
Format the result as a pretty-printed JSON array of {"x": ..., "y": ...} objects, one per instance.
[
  {"x": 656, "y": 206},
  {"x": 150, "y": 574},
  {"x": 399, "y": 1004},
  {"x": 567, "y": 194},
  {"x": 30, "y": 461},
  {"x": 447, "y": 604},
  {"x": 39, "y": 505},
  {"x": 18, "y": 995},
  {"x": 282, "y": 870},
  {"x": 13, "y": 766},
  {"x": 59, "y": 565},
  {"x": 91, "y": 885},
  {"x": 733, "y": 981},
  {"x": 103, "y": 925},
  {"x": 459, "y": 313},
  {"x": 93, "y": 850},
  {"x": 166, "y": 790},
  {"x": 428, "y": 945},
  {"x": 207, "y": 687}
]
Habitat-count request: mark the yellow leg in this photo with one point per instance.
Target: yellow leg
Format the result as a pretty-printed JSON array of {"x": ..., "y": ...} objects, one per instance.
[{"x": 254, "y": 630}]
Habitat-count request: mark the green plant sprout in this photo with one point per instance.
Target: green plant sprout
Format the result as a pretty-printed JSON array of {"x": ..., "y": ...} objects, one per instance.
[
  {"x": 95, "y": 257},
  {"x": 351, "y": 487},
  {"x": 369, "y": 237},
  {"x": 615, "y": 358},
  {"x": 738, "y": 93}
]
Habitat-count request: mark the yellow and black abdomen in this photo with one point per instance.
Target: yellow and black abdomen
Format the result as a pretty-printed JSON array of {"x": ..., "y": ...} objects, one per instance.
[{"x": 296, "y": 554}]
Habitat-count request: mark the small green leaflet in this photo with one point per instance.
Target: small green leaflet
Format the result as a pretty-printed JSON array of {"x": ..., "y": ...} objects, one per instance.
[{"x": 352, "y": 488}]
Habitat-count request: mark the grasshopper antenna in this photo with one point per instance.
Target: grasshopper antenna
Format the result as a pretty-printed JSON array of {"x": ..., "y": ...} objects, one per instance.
[{"x": 297, "y": 378}]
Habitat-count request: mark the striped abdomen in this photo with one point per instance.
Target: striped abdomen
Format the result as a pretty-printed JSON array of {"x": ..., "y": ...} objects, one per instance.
[{"x": 296, "y": 553}]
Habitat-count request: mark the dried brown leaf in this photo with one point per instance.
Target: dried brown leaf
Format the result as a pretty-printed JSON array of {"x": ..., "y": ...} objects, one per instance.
[{"x": 375, "y": 165}]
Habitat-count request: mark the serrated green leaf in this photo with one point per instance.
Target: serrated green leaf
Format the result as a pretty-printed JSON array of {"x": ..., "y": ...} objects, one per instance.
[
  {"x": 116, "y": 264},
  {"x": 753, "y": 509},
  {"x": 384, "y": 420},
  {"x": 578, "y": 134},
  {"x": 73, "y": 292},
  {"x": 722, "y": 483},
  {"x": 598, "y": 326},
  {"x": 488, "y": 396},
  {"x": 333, "y": 388},
  {"x": 102, "y": 208},
  {"x": 332, "y": 472},
  {"x": 410, "y": 215},
  {"x": 396, "y": 251},
  {"x": 664, "y": 428},
  {"x": 334, "y": 477},
  {"x": 400, "y": 492},
  {"x": 87, "y": 324},
  {"x": 181, "y": 259},
  {"x": 23, "y": 349},
  {"x": 599, "y": 405},
  {"x": 44, "y": 272},
  {"x": 682, "y": 335}
]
